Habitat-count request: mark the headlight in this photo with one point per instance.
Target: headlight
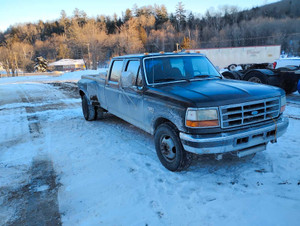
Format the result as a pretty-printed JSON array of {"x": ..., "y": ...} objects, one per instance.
[
  {"x": 196, "y": 118},
  {"x": 282, "y": 103}
]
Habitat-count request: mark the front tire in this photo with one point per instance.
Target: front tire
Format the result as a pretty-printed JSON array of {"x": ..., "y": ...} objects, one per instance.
[
  {"x": 169, "y": 148},
  {"x": 88, "y": 110}
]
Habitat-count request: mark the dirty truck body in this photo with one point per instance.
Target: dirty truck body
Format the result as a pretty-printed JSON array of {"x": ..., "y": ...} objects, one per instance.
[{"x": 183, "y": 101}]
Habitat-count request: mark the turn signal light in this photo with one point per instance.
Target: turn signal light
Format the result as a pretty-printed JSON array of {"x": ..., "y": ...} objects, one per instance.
[
  {"x": 206, "y": 123},
  {"x": 282, "y": 103}
]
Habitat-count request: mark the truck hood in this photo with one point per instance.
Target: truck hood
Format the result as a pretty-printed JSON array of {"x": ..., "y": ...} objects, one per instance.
[{"x": 215, "y": 92}]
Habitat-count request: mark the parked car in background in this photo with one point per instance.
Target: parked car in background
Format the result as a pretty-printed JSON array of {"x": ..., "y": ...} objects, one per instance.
[{"x": 286, "y": 62}]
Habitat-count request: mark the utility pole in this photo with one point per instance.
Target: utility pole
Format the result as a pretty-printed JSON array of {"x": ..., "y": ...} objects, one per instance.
[{"x": 88, "y": 45}]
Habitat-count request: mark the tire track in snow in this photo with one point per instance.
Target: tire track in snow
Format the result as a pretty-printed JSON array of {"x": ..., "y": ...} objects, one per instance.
[
  {"x": 33, "y": 122},
  {"x": 37, "y": 201}
]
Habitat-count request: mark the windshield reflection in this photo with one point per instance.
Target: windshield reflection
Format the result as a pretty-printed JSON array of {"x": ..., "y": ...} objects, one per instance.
[{"x": 176, "y": 68}]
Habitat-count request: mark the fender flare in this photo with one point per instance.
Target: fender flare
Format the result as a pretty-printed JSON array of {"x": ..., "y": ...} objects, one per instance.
[
  {"x": 82, "y": 92},
  {"x": 264, "y": 72},
  {"x": 162, "y": 119}
]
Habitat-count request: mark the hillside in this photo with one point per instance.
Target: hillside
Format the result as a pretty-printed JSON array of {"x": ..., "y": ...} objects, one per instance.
[{"x": 149, "y": 29}]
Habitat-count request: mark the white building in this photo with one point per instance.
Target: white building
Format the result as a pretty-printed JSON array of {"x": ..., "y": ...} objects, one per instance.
[{"x": 68, "y": 65}]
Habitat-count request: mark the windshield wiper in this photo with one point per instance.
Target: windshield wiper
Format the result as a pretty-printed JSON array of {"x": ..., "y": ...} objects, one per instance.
[
  {"x": 186, "y": 79},
  {"x": 165, "y": 80},
  {"x": 205, "y": 76},
  {"x": 201, "y": 76},
  {"x": 172, "y": 79}
]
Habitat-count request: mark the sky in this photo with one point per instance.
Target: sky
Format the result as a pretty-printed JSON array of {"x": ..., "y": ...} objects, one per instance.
[{"x": 22, "y": 11}]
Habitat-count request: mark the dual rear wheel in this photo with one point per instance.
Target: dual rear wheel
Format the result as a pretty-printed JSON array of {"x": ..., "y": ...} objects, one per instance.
[{"x": 89, "y": 111}]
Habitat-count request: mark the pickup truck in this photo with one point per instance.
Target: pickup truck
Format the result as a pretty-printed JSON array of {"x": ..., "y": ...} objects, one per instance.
[{"x": 190, "y": 108}]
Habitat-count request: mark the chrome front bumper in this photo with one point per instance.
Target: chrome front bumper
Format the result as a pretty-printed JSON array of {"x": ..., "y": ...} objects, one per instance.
[{"x": 248, "y": 141}]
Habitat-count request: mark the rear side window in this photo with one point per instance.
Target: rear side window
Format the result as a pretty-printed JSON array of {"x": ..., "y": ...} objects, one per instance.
[
  {"x": 133, "y": 66},
  {"x": 116, "y": 71}
]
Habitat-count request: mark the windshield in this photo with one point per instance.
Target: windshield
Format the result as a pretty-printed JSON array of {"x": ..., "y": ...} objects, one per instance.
[{"x": 166, "y": 69}]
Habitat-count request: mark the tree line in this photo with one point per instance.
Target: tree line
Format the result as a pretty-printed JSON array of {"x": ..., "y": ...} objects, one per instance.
[{"x": 148, "y": 29}]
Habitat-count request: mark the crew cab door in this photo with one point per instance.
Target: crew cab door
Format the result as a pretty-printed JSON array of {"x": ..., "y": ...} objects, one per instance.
[
  {"x": 132, "y": 93},
  {"x": 112, "y": 91}
]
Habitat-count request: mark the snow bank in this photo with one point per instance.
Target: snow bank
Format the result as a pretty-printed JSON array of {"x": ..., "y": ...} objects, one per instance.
[{"x": 66, "y": 77}]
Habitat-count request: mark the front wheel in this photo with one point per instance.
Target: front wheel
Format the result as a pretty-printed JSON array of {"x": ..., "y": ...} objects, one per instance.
[{"x": 169, "y": 148}]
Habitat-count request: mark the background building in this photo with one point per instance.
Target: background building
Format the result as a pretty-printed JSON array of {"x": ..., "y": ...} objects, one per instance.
[{"x": 67, "y": 65}]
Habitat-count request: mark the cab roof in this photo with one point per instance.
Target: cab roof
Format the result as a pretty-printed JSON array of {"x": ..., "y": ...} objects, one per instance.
[{"x": 145, "y": 55}]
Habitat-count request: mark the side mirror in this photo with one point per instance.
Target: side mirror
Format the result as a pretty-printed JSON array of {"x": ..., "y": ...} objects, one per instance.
[{"x": 127, "y": 79}]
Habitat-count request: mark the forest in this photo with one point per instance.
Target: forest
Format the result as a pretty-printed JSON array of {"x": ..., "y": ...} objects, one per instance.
[{"x": 149, "y": 28}]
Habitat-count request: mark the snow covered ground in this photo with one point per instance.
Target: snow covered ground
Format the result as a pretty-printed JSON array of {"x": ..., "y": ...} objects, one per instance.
[{"x": 56, "y": 165}]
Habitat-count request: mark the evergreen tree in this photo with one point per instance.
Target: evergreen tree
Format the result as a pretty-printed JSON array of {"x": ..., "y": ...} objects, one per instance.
[{"x": 180, "y": 16}]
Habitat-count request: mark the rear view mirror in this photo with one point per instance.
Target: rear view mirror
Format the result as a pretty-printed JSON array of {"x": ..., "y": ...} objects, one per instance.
[{"x": 127, "y": 79}]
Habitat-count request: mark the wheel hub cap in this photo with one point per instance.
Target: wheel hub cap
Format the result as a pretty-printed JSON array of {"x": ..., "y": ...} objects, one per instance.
[{"x": 168, "y": 148}]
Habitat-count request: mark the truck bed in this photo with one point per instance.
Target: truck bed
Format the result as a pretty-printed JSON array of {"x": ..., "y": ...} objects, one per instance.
[{"x": 95, "y": 77}]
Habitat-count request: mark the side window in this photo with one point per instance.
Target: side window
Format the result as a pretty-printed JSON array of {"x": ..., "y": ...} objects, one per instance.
[
  {"x": 133, "y": 67},
  {"x": 116, "y": 70}
]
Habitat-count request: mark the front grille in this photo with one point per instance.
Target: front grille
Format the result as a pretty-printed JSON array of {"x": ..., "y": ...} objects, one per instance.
[{"x": 249, "y": 112}]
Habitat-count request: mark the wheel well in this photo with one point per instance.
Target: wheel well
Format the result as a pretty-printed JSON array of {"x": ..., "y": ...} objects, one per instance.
[
  {"x": 160, "y": 121},
  {"x": 81, "y": 93},
  {"x": 263, "y": 72}
]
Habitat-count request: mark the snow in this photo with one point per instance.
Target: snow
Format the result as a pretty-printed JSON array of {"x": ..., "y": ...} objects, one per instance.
[
  {"x": 67, "y": 77},
  {"x": 42, "y": 188},
  {"x": 109, "y": 173}
]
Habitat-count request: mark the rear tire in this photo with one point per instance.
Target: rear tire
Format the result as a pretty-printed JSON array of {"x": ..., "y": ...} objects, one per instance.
[
  {"x": 169, "y": 148},
  {"x": 256, "y": 77},
  {"x": 88, "y": 110}
]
